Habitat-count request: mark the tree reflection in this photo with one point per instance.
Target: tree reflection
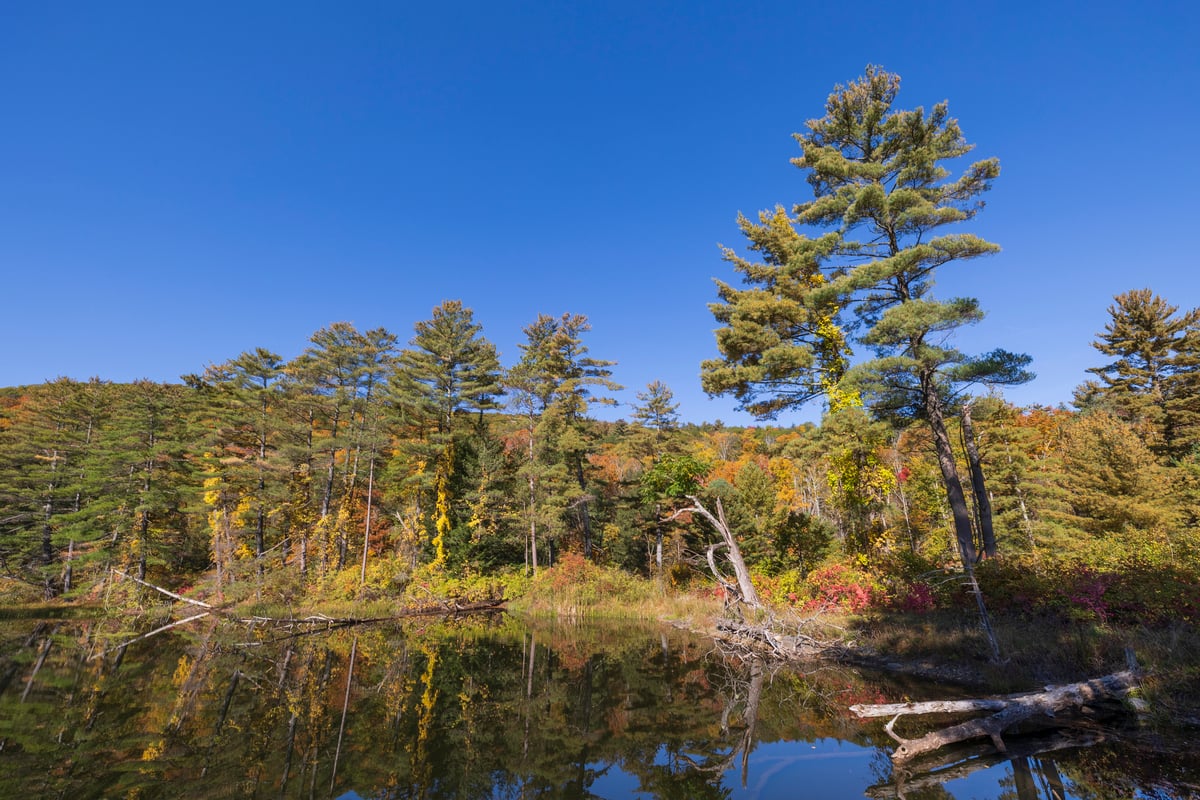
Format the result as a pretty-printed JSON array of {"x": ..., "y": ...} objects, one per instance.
[{"x": 461, "y": 709}]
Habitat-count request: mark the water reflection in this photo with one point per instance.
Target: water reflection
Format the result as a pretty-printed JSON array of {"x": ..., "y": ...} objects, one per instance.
[{"x": 485, "y": 707}]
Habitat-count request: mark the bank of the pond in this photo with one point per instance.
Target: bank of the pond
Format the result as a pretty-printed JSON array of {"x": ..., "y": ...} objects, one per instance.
[{"x": 946, "y": 645}]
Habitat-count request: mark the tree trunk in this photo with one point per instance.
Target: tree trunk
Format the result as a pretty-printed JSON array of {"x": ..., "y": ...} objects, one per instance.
[
  {"x": 958, "y": 503},
  {"x": 983, "y": 504},
  {"x": 658, "y": 542},
  {"x": 532, "y": 500},
  {"x": 949, "y": 468},
  {"x": 69, "y": 567},
  {"x": 261, "y": 521},
  {"x": 367, "y": 526},
  {"x": 733, "y": 553},
  {"x": 585, "y": 517}
]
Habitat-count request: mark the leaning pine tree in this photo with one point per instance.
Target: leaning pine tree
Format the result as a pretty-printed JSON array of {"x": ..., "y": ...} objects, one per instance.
[{"x": 884, "y": 199}]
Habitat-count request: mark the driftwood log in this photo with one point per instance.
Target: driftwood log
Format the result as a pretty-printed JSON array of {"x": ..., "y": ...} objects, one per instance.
[{"x": 1008, "y": 711}]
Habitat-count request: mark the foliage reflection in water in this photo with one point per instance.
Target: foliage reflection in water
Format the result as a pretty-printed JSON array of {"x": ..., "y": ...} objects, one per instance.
[{"x": 480, "y": 708}]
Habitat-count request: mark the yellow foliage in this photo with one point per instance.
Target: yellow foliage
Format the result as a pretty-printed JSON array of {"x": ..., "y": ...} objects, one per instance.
[
  {"x": 787, "y": 494},
  {"x": 245, "y": 506},
  {"x": 154, "y": 750},
  {"x": 442, "y": 522},
  {"x": 182, "y": 671},
  {"x": 212, "y": 493}
]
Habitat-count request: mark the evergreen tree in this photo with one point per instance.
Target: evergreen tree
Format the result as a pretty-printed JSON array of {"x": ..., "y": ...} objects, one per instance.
[
  {"x": 246, "y": 469},
  {"x": 335, "y": 386},
  {"x": 656, "y": 409},
  {"x": 1153, "y": 380},
  {"x": 150, "y": 481},
  {"x": 884, "y": 195},
  {"x": 552, "y": 388},
  {"x": 449, "y": 370},
  {"x": 1111, "y": 489},
  {"x": 46, "y": 439}
]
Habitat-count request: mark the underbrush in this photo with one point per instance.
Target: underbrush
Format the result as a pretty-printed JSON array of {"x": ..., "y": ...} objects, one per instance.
[{"x": 576, "y": 588}]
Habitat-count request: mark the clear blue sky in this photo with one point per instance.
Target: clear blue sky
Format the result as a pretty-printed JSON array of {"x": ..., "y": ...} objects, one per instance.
[{"x": 180, "y": 182}]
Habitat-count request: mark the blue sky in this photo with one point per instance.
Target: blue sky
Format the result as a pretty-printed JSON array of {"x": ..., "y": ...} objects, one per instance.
[{"x": 180, "y": 182}]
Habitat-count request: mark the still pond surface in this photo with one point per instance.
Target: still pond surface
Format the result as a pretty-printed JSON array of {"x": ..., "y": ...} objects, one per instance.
[{"x": 490, "y": 707}]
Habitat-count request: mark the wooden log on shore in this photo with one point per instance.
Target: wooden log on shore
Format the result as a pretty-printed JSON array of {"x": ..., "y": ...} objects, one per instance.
[{"x": 1009, "y": 711}]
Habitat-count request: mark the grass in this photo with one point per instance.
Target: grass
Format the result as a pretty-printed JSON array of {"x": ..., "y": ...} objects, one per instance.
[{"x": 579, "y": 590}]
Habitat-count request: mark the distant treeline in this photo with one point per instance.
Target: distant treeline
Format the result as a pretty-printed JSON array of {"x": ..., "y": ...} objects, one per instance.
[{"x": 360, "y": 464}]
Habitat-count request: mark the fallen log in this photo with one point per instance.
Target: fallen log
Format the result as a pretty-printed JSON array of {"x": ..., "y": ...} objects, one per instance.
[
  {"x": 1009, "y": 711},
  {"x": 320, "y": 623},
  {"x": 167, "y": 592},
  {"x": 451, "y": 606}
]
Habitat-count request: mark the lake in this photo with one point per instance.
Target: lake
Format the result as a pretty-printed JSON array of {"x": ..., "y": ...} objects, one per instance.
[{"x": 491, "y": 707}]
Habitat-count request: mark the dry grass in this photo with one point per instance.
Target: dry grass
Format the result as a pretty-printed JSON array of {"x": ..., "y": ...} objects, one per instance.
[{"x": 648, "y": 607}]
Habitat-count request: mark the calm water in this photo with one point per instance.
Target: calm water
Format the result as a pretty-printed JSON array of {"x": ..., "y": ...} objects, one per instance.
[{"x": 485, "y": 708}]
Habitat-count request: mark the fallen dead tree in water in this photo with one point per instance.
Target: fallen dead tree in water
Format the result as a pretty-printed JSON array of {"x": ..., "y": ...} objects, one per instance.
[
  {"x": 1052, "y": 704},
  {"x": 451, "y": 606},
  {"x": 293, "y": 626}
]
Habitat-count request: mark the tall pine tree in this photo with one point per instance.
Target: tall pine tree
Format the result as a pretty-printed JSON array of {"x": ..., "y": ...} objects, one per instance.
[
  {"x": 1152, "y": 380},
  {"x": 884, "y": 195},
  {"x": 449, "y": 370}
]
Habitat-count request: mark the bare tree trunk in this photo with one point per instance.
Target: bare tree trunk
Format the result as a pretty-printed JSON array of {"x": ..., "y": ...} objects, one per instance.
[
  {"x": 41, "y": 659},
  {"x": 69, "y": 567},
  {"x": 367, "y": 527},
  {"x": 1053, "y": 781},
  {"x": 949, "y": 469},
  {"x": 658, "y": 542},
  {"x": 1013, "y": 709},
  {"x": 533, "y": 547},
  {"x": 345, "y": 707},
  {"x": 983, "y": 504},
  {"x": 532, "y": 505},
  {"x": 733, "y": 553},
  {"x": 958, "y": 503}
]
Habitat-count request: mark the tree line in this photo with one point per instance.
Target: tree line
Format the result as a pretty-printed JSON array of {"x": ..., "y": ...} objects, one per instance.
[
  {"x": 361, "y": 465},
  {"x": 361, "y": 462}
]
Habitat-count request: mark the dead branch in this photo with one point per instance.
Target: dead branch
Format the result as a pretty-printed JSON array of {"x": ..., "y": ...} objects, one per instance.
[
  {"x": 168, "y": 593},
  {"x": 745, "y": 592},
  {"x": 41, "y": 659},
  {"x": 1010, "y": 710}
]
